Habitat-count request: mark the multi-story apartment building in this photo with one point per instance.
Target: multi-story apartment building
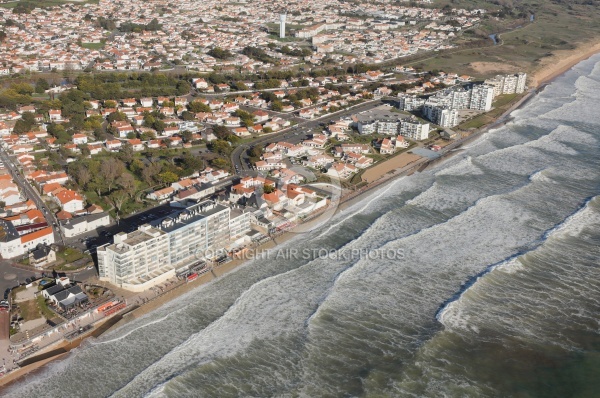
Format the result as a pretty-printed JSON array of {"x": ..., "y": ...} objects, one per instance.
[
  {"x": 460, "y": 98},
  {"x": 410, "y": 103},
  {"x": 508, "y": 84},
  {"x": 481, "y": 97},
  {"x": 414, "y": 129},
  {"x": 135, "y": 258},
  {"x": 521, "y": 82},
  {"x": 159, "y": 250},
  {"x": 382, "y": 121},
  {"x": 441, "y": 115}
]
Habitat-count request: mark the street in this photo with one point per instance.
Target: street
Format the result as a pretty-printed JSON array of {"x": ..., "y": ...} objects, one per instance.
[{"x": 30, "y": 193}]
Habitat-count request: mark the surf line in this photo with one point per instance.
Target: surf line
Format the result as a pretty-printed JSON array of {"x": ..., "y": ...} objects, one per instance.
[
  {"x": 361, "y": 209},
  {"x": 439, "y": 314}
]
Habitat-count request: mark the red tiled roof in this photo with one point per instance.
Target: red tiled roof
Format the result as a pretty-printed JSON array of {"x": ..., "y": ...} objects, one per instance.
[{"x": 36, "y": 235}]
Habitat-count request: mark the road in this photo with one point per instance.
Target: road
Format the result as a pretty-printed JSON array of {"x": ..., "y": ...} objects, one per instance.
[
  {"x": 31, "y": 193},
  {"x": 294, "y": 134}
]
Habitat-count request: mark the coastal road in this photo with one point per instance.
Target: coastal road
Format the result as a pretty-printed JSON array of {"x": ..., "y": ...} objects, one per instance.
[{"x": 31, "y": 193}]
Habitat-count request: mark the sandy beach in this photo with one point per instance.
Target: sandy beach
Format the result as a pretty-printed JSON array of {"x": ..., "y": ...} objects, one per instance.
[
  {"x": 562, "y": 61},
  {"x": 397, "y": 162}
]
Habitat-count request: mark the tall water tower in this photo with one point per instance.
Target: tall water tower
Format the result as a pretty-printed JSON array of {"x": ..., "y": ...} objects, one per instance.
[{"x": 282, "y": 26}]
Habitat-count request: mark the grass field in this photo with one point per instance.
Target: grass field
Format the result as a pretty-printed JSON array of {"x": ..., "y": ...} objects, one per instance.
[
  {"x": 555, "y": 27},
  {"x": 92, "y": 46},
  {"x": 29, "y": 310}
]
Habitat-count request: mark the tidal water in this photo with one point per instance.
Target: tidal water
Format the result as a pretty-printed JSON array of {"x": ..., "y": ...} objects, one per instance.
[{"x": 478, "y": 278}]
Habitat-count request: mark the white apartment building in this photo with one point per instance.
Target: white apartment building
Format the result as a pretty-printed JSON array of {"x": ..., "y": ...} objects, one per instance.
[
  {"x": 414, "y": 129},
  {"x": 135, "y": 258},
  {"x": 157, "y": 251},
  {"x": 521, "y": 82},
  {"x": 481, "y": 97},
  {"x": 382, "y": 121},
  {"x": 410, "y": 103},
  {"x": 508, "y": 84},
  {"x": 441, "y": 115}
]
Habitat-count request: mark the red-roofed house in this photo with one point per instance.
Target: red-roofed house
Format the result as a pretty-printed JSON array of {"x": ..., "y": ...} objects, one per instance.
[{"x": 69, "y": 200}]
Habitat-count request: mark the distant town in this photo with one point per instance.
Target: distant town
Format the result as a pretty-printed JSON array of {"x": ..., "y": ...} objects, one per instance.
[{"x": 143, "y": 145}]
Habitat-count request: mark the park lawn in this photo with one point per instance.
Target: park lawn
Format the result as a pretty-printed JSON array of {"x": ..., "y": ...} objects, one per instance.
[
  {"x": 475, "y": 123},
  {"x": 503, "y": 100},
  {"x": 93, "y": 46},
  {"x": 43, "y": 307},
  {"x": 29, "y": 310},
  {"x": 70, "y": 255}
]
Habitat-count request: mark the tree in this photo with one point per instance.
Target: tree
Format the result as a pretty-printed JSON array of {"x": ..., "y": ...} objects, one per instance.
[
  {"x": 110, "y": 170},
  {"x": 98, "y": 184},
  {"x": 168, "y": 177},
  {"x": 276, "y": 106},
  {"x": 22, "y": 88},
  {"x": 187, "y": 116},
  {"x": 159, "y": 126},
  {"x": 221, "y": 132},
  {"x": 256, "y": 152},
  {"x": 219, "y": 53},
  {"x": 220, "y": 146},
  {"x": 117, "y": 116},
  {"x": 197, "y": 107},
  {"x": 150, "y": 172},
  {"x": 41, "y": 86},
  {"x": 191, "y": 163},
  {"x": 127, "y": 183},
  {"x": 83, "y": 176},
  {"x": 187, "y": 136},
  {"x": 220, "y": 163},
  {"x": 117, "y": 198},
  {"x": 24, "y": 124},
  {"x": 126, "y": 152}
]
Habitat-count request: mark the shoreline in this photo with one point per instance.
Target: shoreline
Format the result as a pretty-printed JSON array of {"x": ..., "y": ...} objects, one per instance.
[
  {"x": 540, "y": 79},
  {"x": 562, "y": 61}
]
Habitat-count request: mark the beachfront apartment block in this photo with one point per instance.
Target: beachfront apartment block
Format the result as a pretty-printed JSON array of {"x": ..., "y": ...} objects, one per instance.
[
  {"x": 410, "y": 103},
  {"x": 135, "y": 258},
  {"x": 382, "y": 120},
  {"x": 441, "y": 115},
  {"x": 508, "y": 84},
  {"x": 481, "y": 97},
  {"x": 191, "y": 233},
  {"x": 414, "y": 129}
]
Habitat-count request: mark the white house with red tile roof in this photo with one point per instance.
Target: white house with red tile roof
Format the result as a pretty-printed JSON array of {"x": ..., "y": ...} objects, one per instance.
[
  {"x": 147, "y": 102},
  {"x": 136, "y": 144},
  {"x": 79, "y": 139},
  {"x": 69, "y": 200},
  {"x": 113, "y": 145},
  {"x": 55, "y": 115},
  {"x": 161, "y": 194}
]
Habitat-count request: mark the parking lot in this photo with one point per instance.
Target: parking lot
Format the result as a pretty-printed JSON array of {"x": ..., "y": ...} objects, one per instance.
[{"x": 93, "y": 240}]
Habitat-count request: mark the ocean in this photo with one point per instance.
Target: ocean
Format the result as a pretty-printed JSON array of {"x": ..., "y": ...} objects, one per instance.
[{"x": 477, "y": 278}]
